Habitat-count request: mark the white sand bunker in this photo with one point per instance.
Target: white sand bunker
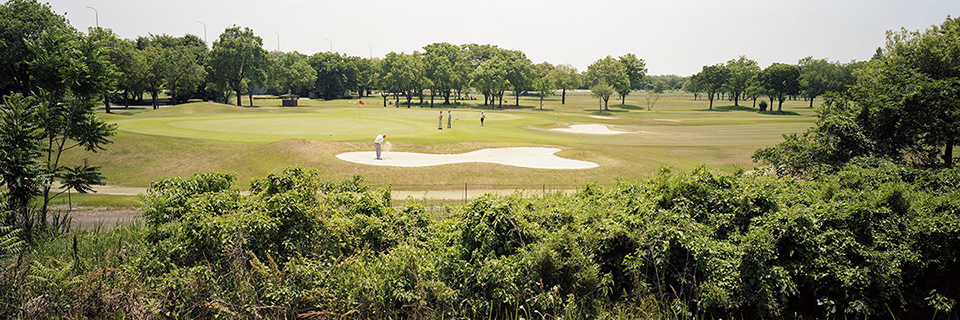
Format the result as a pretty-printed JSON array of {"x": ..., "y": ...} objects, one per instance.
[
  {"x": 589, "y": 129},
  {"x": 602, "y": 117},
  {"x": 537, "y": 158}
]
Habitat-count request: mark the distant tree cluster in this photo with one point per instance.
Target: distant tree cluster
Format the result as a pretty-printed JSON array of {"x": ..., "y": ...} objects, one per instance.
[{"x": 742, "y": 78}]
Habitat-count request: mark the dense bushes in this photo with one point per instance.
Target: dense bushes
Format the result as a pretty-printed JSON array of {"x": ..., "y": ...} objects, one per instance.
[{"x": 873, "y": 240}]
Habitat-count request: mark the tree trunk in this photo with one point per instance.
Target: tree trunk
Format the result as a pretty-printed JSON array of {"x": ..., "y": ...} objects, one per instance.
[
  {"x": 736, "y": 100},
  {"x": 517, "y": 95},
  {"x": 563, "y": 99},
  {"x": 106, "y": 102},
  {"x": 755, "y": 103},
  {"x": 948, "y": 153},
  {"x": 126, "y": 99},
  {"x": 811, "y": 102},
  {"x": 541, "y": 103},
  {"x": 431, "y": 98},
  {"x": 239, "y": 99},
  {"x": 605, "y": 101},
  {"x": 250, "y": 94},
  {"x": 780, "y": 105},
  {"x": 711, "y": 101},
  {"x": 154, "y": 96}
]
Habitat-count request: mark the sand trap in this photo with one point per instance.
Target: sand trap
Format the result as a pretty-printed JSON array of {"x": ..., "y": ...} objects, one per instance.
[
  {"x": 589, "y": 129},
  {"x": 602, "y": 117},
  {"x": 537, "y": 158}
]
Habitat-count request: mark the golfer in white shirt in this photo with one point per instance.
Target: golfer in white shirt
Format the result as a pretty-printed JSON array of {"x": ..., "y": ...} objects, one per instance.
[{"x": 377, "y": 142}]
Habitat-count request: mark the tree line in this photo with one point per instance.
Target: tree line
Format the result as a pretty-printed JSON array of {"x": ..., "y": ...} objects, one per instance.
[{"x": 184, "y": 68}]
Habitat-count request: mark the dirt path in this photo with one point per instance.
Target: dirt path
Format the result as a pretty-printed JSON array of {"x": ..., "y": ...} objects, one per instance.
[{"x": 91, "y": 218}]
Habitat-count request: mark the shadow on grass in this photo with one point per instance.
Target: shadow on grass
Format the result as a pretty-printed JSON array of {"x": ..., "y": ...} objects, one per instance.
[
  {"x": 749, "y": 109},
  {"x": 604, "y": 112},
  {"x": 630, "y": 107}
]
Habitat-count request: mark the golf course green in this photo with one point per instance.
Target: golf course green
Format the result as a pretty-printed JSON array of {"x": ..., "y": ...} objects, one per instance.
[{"x": 251, "y": 142}]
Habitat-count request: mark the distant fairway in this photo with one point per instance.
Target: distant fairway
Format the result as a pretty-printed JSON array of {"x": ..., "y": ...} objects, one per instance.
[{"x": 252, "y": 142}]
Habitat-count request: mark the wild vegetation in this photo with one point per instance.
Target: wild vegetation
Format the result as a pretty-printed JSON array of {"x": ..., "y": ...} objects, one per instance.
[{"x": 875, "y": 239}]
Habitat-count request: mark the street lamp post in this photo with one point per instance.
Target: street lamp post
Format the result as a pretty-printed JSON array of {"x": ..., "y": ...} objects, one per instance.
[
  {"x": 331, "y": 44},
  {"x": 96, "y": 14},
  {"x": 278, "y": 39},
  {"x": 204, "y": 30},
  {"x": 371, "y": 50}
]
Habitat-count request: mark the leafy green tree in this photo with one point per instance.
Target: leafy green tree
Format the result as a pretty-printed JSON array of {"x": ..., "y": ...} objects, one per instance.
[
  {"x": 71, "y": 72},
  {"x": 237, "y": 59},
  {"x": 366, "y": 75},
  {"x": 392, "y": 77},
  {"x": 755, "y": 91},
  {"x": 181, "y": 71},
  {"x": 542, "y": 69},
  {"x": 903, "y": 108},
  {"x": 740, "y": 71},
  {"x": 694, "y": 85},
  {"x": 127, "y": 60},
  {"x": 292, "y": 73},
  {"x": 23, "y": 22},
  {"x": 520, "y": 72},
  {"x": 636, "y": 70},
  {"x": 544, "y": 87},
  {"x": 818, "y": 76},
  {"x": 603, "y": 91},
  {"x": 910, "y": 99},
  {"x": 440, "y": 61},
  {"x": 780, "y": 81},
  {"x": 153, "y": 80},
  {"x": 565, "y": 77},
  {"x": 610, "y": 72},
  {"x": 490, "y": 78},
  {"x": 714, "y": 78}
]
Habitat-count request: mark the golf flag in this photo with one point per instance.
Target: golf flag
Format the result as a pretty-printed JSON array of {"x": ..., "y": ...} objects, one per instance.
[{"x": 361, "y": 102}]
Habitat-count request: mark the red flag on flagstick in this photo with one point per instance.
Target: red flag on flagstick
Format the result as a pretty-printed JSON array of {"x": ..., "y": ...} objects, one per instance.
[{"x": 361, "y": 102}]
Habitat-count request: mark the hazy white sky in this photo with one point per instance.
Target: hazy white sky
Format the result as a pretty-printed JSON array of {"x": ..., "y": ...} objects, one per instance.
[{"x": 674, "y": 37}]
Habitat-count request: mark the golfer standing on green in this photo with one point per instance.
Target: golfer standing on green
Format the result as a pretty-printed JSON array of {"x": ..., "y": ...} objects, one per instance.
[
  {"x": 449, "y": 118},
  {"x": 377, "y": 142}
]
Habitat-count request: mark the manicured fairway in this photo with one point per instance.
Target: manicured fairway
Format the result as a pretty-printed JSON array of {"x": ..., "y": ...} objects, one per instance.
[{"x": 252, "y": 142}]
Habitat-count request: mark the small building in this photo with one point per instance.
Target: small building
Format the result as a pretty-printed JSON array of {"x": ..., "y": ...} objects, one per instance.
[{"x": 289, "y": 100}]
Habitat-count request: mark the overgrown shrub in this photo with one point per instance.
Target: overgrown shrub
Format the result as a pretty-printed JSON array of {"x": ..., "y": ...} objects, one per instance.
[{"x": 873, "y": 240}]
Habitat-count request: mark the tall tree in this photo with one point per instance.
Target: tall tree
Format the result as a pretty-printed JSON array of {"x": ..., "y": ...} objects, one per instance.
[
  {"x": 693, "y": 85},
  {"x": 780, "y": 81},
  {"x": 818, "y": 76},
  {"x": 544, "y": 87},
  {"x": 610, "y": 72},
  {"x": 520, "y": 72},
  {"x": 636, "y": 70},
  {"x": 603, "y": 91},
  {"x": 565, "y": 77},
  {"x": 23, "y": 22},
  {"x": 739, "y": 72},
  {"x": 714, "y": 79},
  {"x": 181, "y": 71},
  {"x": 440, "y": 61},
  {"x": 70, "y": 72},
  {"x": 490, "y": 78},
  {"x": 237, "y": 58},
  {"x": 292, "y": 73}
]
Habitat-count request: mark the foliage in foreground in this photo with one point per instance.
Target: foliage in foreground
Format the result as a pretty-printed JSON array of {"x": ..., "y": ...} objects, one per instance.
[{"x": 870, "y": 241}]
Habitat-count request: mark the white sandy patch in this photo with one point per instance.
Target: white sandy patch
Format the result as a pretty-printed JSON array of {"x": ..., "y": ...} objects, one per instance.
[
  {"x": 526, "y": 157},
  {"x": 589, "y": 129},
  {"x": 602, "y": 117}
]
